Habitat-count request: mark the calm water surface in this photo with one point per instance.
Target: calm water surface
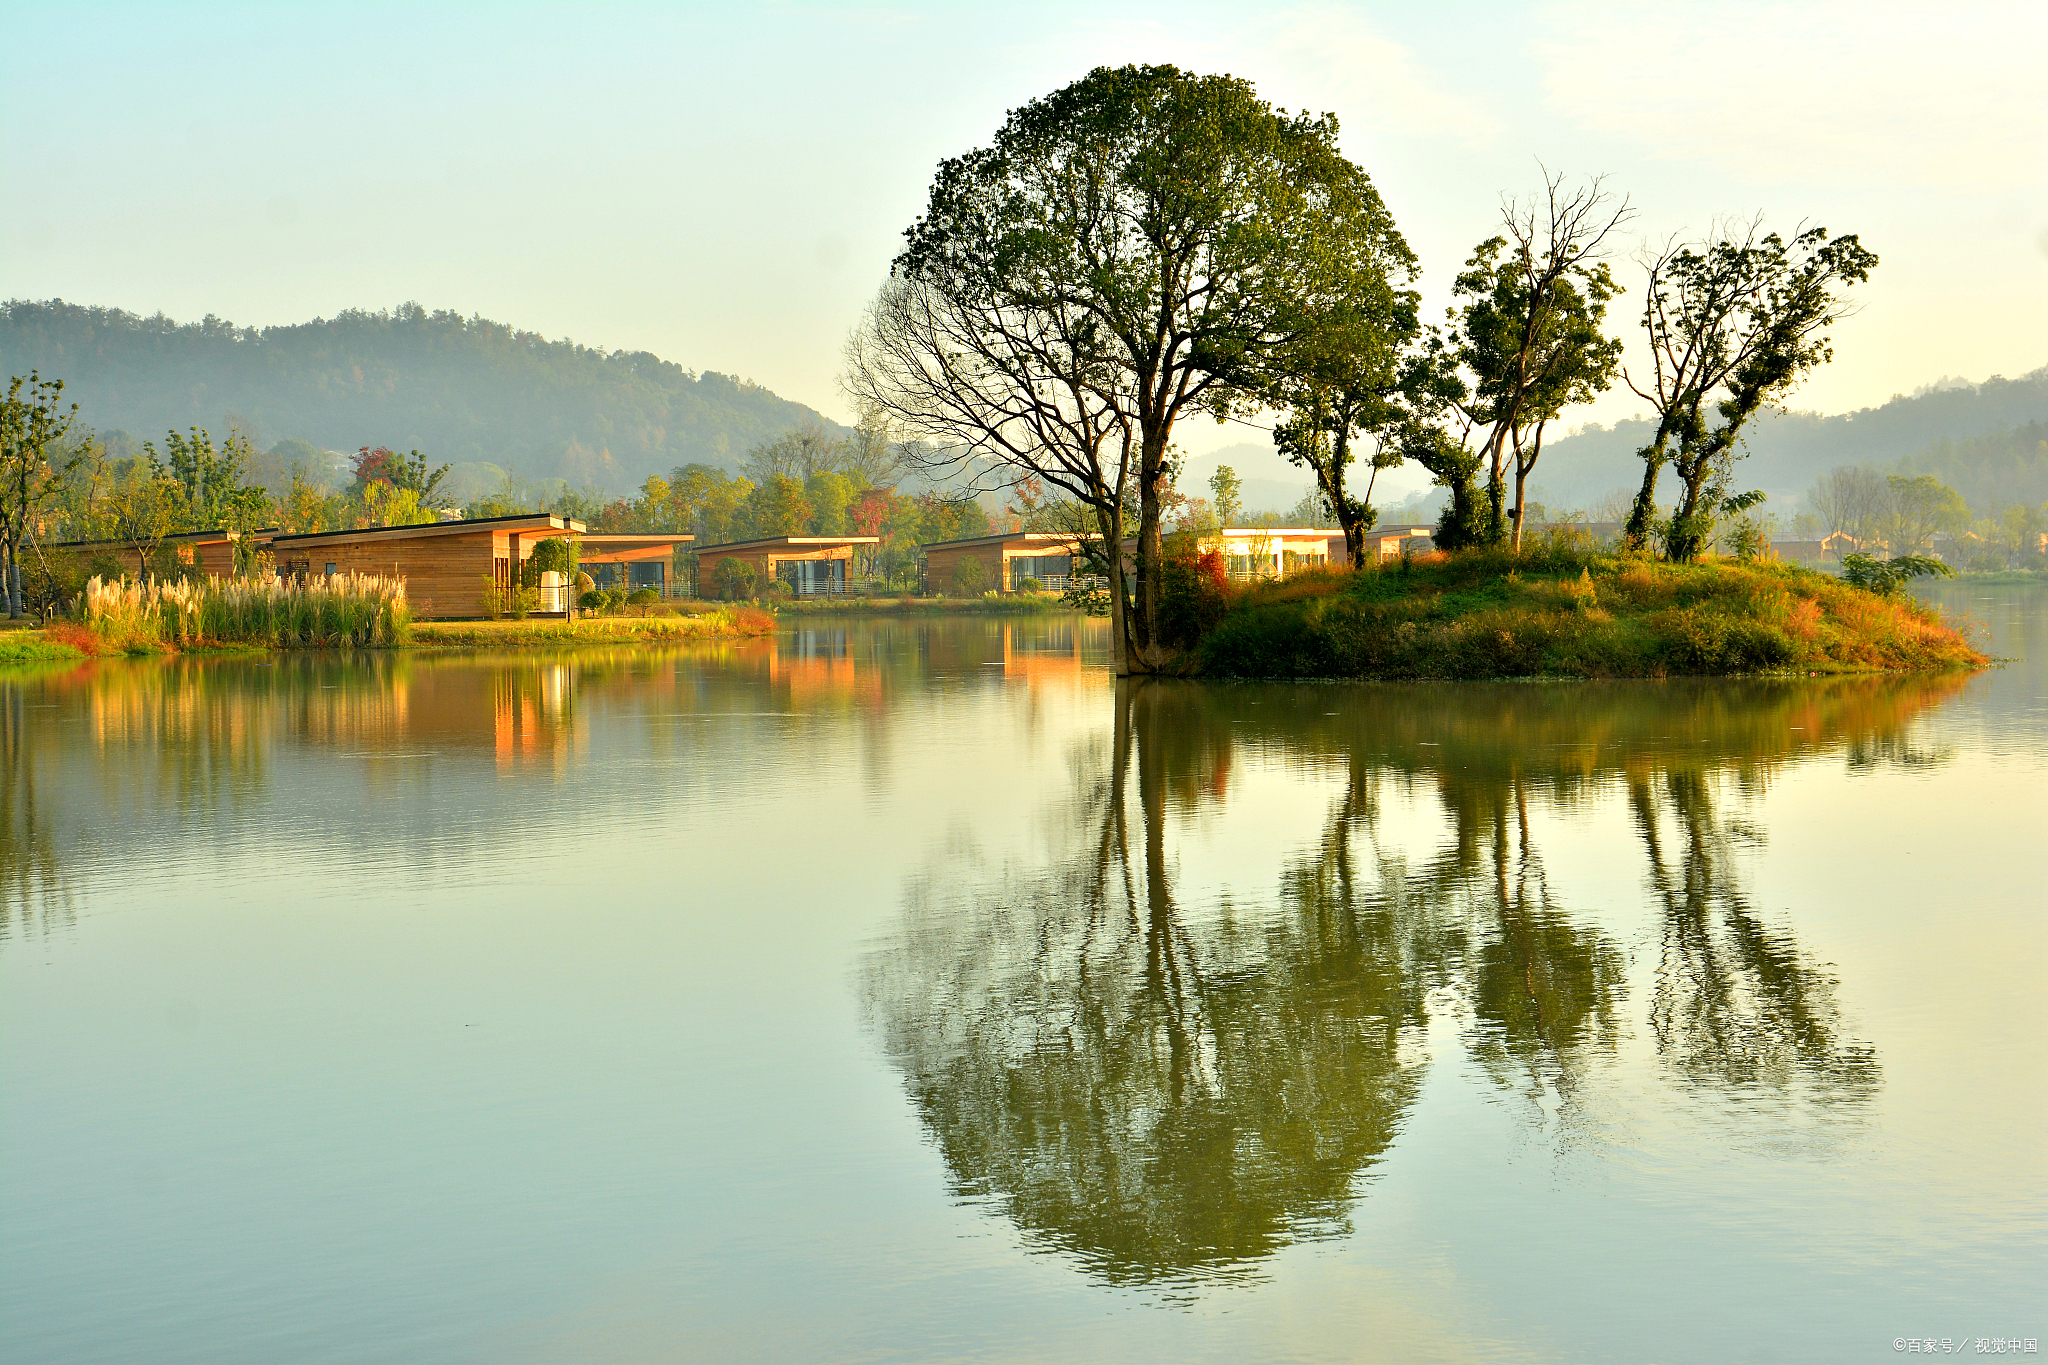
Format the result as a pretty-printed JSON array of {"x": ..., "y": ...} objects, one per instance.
[{"x": 915, "y": 991}]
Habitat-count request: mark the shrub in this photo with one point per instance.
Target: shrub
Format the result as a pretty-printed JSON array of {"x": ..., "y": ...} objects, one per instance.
[
  {"x": 1886, "y": 576},
  {"x": 74, "y": 634},
  {"x": 643, "y": 597},
  {"x": 735, "y": 578},
  {"x": 51, "y": 581},
  {"x": 1030, "y": 585},
  {"x": 1194, "y": 595},
  {"x": 970, "y": 578}
]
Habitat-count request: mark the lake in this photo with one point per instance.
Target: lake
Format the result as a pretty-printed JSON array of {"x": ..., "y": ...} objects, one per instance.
[{"x": 912, "y": 990}]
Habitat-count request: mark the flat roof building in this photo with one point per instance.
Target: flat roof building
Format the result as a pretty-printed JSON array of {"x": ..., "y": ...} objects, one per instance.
[
  {"x": 1389, "y": 542},
  {"x": 630, "y": 561},
  {"x": 1002, "y": 562},
  {"x": 809, "y": 564},
  {"x": 1274, "y": 551},
  {"x": 210, "y": 552},
  {"x": 447, "y": 566}
]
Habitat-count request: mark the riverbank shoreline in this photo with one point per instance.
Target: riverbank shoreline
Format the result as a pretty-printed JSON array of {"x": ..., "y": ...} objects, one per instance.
[
  {"x": 69, "y": 642},
  {"x": 1566, "y": 615}
]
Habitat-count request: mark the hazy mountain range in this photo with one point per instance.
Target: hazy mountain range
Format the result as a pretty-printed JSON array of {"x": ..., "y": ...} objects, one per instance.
[{"x": 462, "y": 390}]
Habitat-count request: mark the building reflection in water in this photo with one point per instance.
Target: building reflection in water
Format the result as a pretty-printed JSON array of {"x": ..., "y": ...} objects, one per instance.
[{"x": 1167, "y": 1095}]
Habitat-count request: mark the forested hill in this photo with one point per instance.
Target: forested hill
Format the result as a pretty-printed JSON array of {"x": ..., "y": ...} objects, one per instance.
[
  {"x": 458, "y": 389},
  {"x": 1788, "y": 450}
]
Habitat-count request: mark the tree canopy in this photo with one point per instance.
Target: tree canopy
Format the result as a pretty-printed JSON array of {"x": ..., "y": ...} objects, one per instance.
[{"x": 1142, "y": 245}]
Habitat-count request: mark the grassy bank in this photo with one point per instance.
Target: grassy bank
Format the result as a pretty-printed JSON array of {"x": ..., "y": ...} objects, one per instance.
[
  {"x": 34, "y": 646},
  {"x": 1572, "y": 615},
  {"x": 1998, "y": 576},
  {"x": 720, "y": 623}
]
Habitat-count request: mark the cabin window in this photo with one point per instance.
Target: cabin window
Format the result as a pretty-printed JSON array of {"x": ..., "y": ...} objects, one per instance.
[{"x": 330, "y": 570}]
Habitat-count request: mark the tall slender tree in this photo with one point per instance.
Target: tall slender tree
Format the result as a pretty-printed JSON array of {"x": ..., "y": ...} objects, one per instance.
[
  {"x": 1734, "y": 324},
  {"x": 1524, "y": 342}
]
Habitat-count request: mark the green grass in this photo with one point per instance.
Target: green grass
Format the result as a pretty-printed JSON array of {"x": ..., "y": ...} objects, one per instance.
[
  {"x": 29, "y": 646},
  {"x": 721, "y": 623},
  {"x": 1569, "y": 614}
]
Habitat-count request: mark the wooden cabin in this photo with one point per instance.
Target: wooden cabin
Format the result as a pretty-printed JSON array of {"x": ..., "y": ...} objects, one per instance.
[
  {"x": 447, "y": 566},
  {"x": 809, "y": 564},
  {"x": 1003, "y": 561},
  {"x": 632, "y": 561},
  {"x": 210, "y": 552}
]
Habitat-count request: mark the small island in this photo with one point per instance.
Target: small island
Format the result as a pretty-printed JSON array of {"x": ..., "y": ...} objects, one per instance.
[{"x": 1565, "y": 613}]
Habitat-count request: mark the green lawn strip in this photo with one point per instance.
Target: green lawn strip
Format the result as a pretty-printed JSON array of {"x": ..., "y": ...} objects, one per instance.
[{"x": 29, "y": 646}]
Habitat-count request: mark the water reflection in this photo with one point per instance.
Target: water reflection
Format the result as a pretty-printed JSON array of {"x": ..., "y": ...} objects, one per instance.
[
  {"x": 1153, "y": 1096},
  {"x": 1169, "y": 1093},
  {"x": 123, "y": 755}
]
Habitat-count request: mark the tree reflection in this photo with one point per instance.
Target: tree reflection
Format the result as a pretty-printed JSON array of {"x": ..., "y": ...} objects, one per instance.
[
  {"x": 1736, "y": 1005},
  {"x": 34, "y": 893},
  {"x": 1161, "y": 1099},
  {"x": 1169, "y": 1094}
]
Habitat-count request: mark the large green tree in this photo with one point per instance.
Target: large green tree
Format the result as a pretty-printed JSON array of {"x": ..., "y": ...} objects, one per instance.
[
  {"x": 33, "y": 419},
  {"x": 1734, "y": 324},
  {"x": 1140, "y": 246}
]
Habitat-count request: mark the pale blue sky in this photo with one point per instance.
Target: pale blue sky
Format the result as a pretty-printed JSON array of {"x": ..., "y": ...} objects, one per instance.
[{"x": 724, "y": 185}]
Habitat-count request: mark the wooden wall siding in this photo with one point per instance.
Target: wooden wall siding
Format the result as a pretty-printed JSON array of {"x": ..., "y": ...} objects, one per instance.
[
  {"x": 445, "y": 576},
  {"x": 942, "y": 565},
  {"x": 764, "y": 561},
  {"x": 216, "y": 558}
]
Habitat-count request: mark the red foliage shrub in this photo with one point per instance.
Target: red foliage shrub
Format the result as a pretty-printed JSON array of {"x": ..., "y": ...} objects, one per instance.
[{"x": 73, "y": 634}]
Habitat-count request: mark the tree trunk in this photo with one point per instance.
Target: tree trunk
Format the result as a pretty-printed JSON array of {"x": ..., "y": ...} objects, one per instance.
[
  {"x": 1457, "y": 528},
  {"x": 1636, "y": 535},
  {"x": 13, "y": 582},
  {"x": 1147, "y": 654},
  {"x": 1354, "y": 539},
  {"x": 1112, "y": 529}
]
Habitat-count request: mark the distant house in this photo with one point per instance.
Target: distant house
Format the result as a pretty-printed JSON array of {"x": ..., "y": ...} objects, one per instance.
[
  {"x": 210, "y": 552},
  {"x": 631, "y": 562},
  {"x": 1005, "y": 561},
  {"x": 1273, "y": 551},
  {"x": 447, "y": 566},
  {"x": 1799, "y": 551},
  {"x": 1389, "y": 542},
  {"x": 1824, "y": 550},
  {"x": 809, "y": 564},
  {"x": 1595, "y": 532}
]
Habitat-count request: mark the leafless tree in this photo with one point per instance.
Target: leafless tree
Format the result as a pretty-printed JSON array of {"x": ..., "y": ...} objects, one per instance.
[{"x": 996, "y": 394}]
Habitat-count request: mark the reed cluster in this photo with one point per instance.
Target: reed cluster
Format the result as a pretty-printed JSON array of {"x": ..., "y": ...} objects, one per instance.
[{"x": 344, "y": 610}]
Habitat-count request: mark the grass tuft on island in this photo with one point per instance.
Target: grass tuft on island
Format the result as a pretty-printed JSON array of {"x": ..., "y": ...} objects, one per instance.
[{"x": 1562, "y": 613}]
